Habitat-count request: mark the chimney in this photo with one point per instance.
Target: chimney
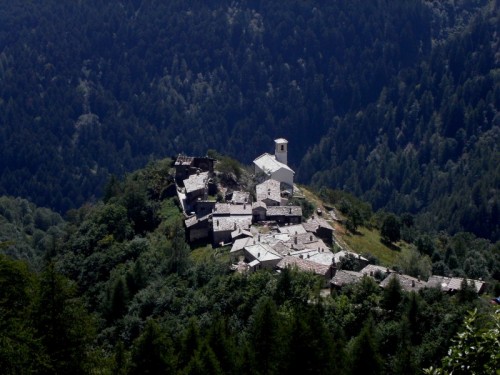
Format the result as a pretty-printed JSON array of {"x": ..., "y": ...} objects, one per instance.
[
  {"x": 295, "y": 240},
  {"x": 413, "y": 283}
]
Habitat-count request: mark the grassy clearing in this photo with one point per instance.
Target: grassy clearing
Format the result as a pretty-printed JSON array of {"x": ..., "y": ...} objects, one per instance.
[
  {"x": 207, "y": 253},
  {"x": 368, "y": 241}
]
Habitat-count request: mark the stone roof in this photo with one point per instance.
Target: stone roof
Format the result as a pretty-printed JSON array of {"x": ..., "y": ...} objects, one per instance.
[
  {"x": 292, "y": 229},
  {"x": 196, "y": 182},
  {"x": 240, "y": 244},
  {"x": 269, "y": 189},
  {"x": 407, "y": 283},
  {"x": 303, "y": 265},
  {"x": 343, "y": 253},
  {"x": 232, "y": 209},
  {"x": 262, "y": 252},
  {"x": 284, "y": 211},
  {"x": 323, "y": 256},
  {"x": 342, "y": 278},
  {"x": 372, "y": 270},
  {"x": 320, "y": 222},
  {"x": 452, "y": 284},
  {"x": 259, "y": 204},
  {"x": 230, "y": 223},
  {"x": 184, "y": 160},
  {"x": 268, "y": 163},
  {"x": 193, "y": 220},
  {"x": 240, "y": 197},
  {"x": 241, "y": 233}
]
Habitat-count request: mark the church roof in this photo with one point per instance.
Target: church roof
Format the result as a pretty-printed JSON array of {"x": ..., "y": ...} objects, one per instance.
[{"x": 268, "y": 163}]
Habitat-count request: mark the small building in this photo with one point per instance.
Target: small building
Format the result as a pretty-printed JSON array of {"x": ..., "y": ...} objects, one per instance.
[
  {"x": 337, "y": 258},
  {"x": 284, "y": 214},
  {"x": 197, "y": 228},
  {"x": 408, "y": 283},
  {"x": 305, "y": 265},
  {"x": 343, "y": 278},
  {"x": 321, "y": 256},
  {"x": 275, "y": 166},
  {"x": 321, "y": 228},
  {"x": 261, "y": 256},
  {"x": 186, "y": 166},
  {"x": 196, "y": 186},
  {"x": 454, "y": 284},
  {"x": 293, "y": 229},
  {"x": 240, "y": 197},
  {"x": 223, "y": 226},
  {"x": 240, "y": 243},
  {"x": 269, "y": 193},
  {"x": 377, "y": 272},
  {"x": 227, "y": 209},
  {"x": 259, "y": 210}
]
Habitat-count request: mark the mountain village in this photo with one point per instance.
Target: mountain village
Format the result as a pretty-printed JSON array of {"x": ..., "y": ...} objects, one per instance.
[{"x": 266, "y": 231}]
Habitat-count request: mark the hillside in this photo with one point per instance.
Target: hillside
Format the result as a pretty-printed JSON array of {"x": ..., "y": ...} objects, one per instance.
[
  {"x": 122, "y": 292},
  {"x": 429, "y": 144},
  {"x": 88, "y": 89}
]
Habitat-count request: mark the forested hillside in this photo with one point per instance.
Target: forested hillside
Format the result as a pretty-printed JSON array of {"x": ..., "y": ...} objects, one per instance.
[
  {"x": 121, "y": 292},
  {"x": 91, "y": 88},
  {"x": 429, "y": 144}
]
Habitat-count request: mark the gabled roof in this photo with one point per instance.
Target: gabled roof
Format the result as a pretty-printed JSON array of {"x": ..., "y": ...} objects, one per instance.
[
  {"x": 303, "y": 265},
  {"x": 241, "y": 243},
  {"x": 269, "y": 189},
  {"x": 407, "y": 283},
  {"x": 293, "y": 229},
  {"x": 284, "y": 211},
  {"x": 372, "y": 269},
  {"x": 268, "y": 163},
  {"x": 262, "y": 252},
  {"x": 319, "y": 222},
  {"x": 343, "y": 253},
  {"x": 240, "y": 197},
  {"x": 230, "y": 223},
  {"x": 232, "y": 209},
  {"x": 452, "y": 284},
  {"x": 323, "y": 256},
  {"x": 342, "y": 278}
]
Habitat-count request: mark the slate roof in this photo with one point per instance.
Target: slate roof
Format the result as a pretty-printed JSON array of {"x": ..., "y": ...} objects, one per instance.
[
  {"x": 240, "y": 197},
  {"x": 303, "y": 265},
  {"x": 284, "y": 211},
  {"x": 323, "y": 256},
  {"x": 343, "y": 253},
  {"x": 342, "y": 278},
  {"x": 320, "y": 222},
  {"x": 452, "y": 284},
  {"x": 262, "y": 252},
  {"x": 196, "y": 182},
  {"x": 292, "y": 229},
  {"x": 269, "y": 189},
  {"x": 372, "y": 269},
  {"x": 230, "y": 223},
  {"x": 240, "y": 244},
  {"x": 268, "y": 163},
  {"x": 193, "y": 220},
  {"x": 232, "y": 209},
  {"x": 407, "y": 283},
  {"x": 184, "y": 160}
]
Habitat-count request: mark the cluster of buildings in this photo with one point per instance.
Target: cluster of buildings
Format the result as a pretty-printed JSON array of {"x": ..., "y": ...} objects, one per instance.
[
  {"x": 210, "y": 220},
  {"x": 265, "y": 232}
]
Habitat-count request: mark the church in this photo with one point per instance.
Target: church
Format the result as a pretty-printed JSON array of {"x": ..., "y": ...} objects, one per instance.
[{"x": 276, "y": 166}]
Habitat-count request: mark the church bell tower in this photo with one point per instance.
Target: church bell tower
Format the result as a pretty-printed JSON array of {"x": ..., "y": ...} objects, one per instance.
[{"x": 281, "y": 150}]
